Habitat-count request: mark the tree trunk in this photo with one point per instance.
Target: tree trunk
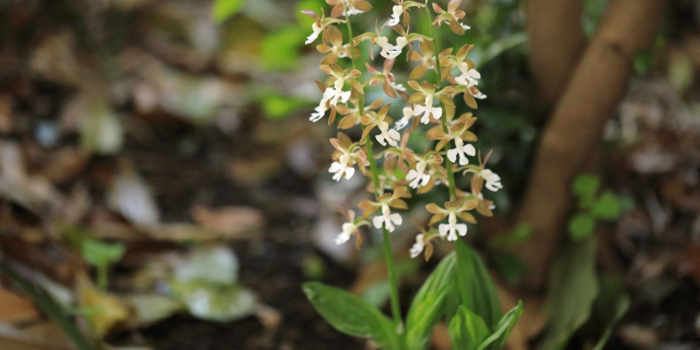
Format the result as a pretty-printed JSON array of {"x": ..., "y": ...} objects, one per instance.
[
  {"x": 556, "y": 42},
  {"x": 597, "y": 86}
]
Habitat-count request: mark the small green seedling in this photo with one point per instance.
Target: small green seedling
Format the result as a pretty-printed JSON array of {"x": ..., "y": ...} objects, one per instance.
[
  {"x": 101, "y": 255},
  {"x": 592, "y": 207}
]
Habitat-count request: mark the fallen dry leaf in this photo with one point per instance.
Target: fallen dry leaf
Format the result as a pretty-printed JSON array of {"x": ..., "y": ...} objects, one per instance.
[
  {"x": 15, "y": 308},
  {"x": 14, "y": 339},
  {"x": 230, "y": 221},
  {"x": 132, "y": 197}
]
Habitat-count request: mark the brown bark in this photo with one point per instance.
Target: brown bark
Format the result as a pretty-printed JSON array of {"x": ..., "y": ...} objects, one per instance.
[
  {"x": 556, "y": 42},
  {"x": 597, "y": 86}
]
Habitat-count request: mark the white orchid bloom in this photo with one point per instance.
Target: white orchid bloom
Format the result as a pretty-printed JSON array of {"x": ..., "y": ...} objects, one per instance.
[
  {"x": 428, "y": 109},
  {"x": 464, "y": 26},
  {"x": 390, "y": 51},
  {"x": 397, "y": 11},
  {"x": 462, "y": 151},
  {"x": 339, "y": 169},
  {"x": 314, "y": 35},
  {"x": 481, "y": 197},
  {"x": 347, "y": 230},
  {"x": 417, "y": 176},
  {"x": 493, "y": 181},
  {"x": 350, "y": 8},
  {"x": 336, "y": 95},
  {"x": 468, "y": 77},
  {"x": 319, "y": 112},
  {"x": 480, "y": 95},
  {"x": 387, "y": 219},
  {"x": 407, "y": 116},
  {"x": 452, "y": 228},
  {"x": 398, "y": 87},
  {"x": 419, "y": 180},
  {"x": 321, "y": 109},
  {"x": 418, "y": 247},
  {"x": 390, "y": 136}
]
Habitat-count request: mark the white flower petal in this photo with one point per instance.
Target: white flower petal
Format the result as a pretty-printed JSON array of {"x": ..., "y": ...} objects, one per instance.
[
  {"x": 453, "y": 236},
  {"x": 349, "y": 172},
  {"x": 470, "y": 150},
  {"x": 380, "y": 139},
  {"x": 377, "y": 221},
  {"x": 443, "y": 229},
  {"x": 396, "y": 219},
  {"x": 335, "y": 167},
  {"x": 342, "y": 238},
  {"x": 452, "y": 155},
  {"x": 462, "y": 229}
]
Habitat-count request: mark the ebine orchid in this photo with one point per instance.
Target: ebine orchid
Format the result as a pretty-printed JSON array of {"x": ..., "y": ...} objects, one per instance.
[
  {"x": 387, "y": 219},
  {"x": 389, "y": 158},
  {"x": 319, "y": 25},
  {"x": 391, "y": 51},
  {"x": 343, "y": 93},
  {"x": 348, "y": 7},
  {"x": 453, "y": 209},
  {"x": 451, "y": 17},
  {"x": 493, "y": 181},
  {"x": 350, "y": 228}
]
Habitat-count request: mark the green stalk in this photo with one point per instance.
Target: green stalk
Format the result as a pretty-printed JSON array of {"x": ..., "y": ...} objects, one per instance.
[
  {"x": 443, "y": 119},
  {"x": 462, "y": 261},
  {"x": 388, "y": 254}
]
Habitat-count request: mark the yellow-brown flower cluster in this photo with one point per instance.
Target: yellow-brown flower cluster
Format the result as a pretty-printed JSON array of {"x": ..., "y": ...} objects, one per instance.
[{"x": 424, "y": 102}]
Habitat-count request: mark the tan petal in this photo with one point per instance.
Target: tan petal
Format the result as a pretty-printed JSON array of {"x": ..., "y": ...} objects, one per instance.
[
  {"x": 433, "y": 208},
  {"x": 437, "y": 218},
  {"x": 466, "y": 217}
]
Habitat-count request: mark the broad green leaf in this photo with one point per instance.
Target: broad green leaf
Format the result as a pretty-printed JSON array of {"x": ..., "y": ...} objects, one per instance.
[
  {"x": 620, "y": 310},
  {"x": 572, "y": 289},
  {"x": 581, "y": 226},
  {"x": 585, "y": 187},
  {"x": 427, "y": 304},
  {"x": 607, "y": 207},
  {"x": 97, "y": 253},
  {"x": 510, "y": 267},
  {"x": 612, "y": 303},
  {"x": 351, "y": 315},
  {"x": 223, "y": 9},
  {"x": 475, "y": 287},
  {"x": 504, "y": 327},
  {"x": 467, "y": 330}
]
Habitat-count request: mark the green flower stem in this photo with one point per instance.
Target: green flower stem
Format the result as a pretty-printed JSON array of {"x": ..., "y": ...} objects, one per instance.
[
  {"x": 388, "y": 254},
  {"x": 461, "y": 259},
  {"x": 443, "y": 119}
]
